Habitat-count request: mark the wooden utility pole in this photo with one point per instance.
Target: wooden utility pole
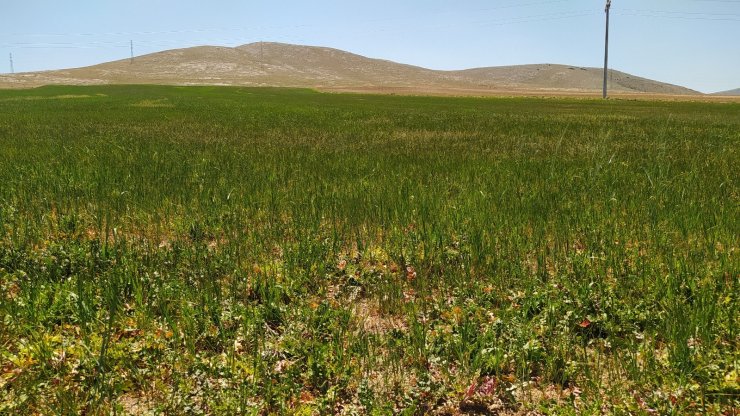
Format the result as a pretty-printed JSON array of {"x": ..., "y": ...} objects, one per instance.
[
  {"x": 606, "y": 48},
  {"x": 262, "y": 55}
]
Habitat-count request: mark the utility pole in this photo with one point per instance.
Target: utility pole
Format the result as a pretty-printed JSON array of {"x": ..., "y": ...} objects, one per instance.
[
  {"x": 132, "y": 51},
  {"x": 606, "y": 48},
  {"x": 262, "y": 54},
  {"x": 12, "y": 69}
]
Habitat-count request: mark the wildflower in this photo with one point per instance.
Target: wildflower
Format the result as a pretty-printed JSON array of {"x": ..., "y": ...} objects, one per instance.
[
  {"x": 410, "y": 273},
  {"x": 488, "y": 388}
]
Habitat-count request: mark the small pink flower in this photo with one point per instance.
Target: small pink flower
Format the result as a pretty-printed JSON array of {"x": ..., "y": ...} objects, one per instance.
[
  {"x": 410, "y": 273},
  {"x": 488, "y": 388}
]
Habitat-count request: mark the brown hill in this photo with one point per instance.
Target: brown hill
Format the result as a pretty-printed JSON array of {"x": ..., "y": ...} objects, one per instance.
[
  {"x": 734, "y": 93},
  {"x": 562, "y": 77},
  {"x": 276, "y": 64}
]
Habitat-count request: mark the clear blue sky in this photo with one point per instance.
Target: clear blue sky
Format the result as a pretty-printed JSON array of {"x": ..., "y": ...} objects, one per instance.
[{"x": 695, "y": 43}]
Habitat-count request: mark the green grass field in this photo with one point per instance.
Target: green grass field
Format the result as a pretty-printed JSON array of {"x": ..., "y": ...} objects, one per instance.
[{"x": 204, "y": 250}]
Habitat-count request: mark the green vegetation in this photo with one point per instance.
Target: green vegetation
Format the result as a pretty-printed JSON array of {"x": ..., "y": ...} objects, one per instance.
[{"x": 265, "y": 251}]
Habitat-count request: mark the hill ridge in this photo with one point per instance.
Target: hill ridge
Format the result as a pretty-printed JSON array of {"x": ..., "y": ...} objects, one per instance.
[
  {"x": 735, "y": 92},
  {"x": 288, "y": 65}
]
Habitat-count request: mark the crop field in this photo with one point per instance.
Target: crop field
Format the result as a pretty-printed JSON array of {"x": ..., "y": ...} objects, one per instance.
[{"x": 215, "y": 250}]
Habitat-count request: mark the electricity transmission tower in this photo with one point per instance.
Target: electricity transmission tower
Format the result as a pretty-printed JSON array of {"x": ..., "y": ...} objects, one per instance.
[
  {"x": 12, "y": 69},
  {"x": 606, "y": 48},
  {"x": 132, "y": 51}
]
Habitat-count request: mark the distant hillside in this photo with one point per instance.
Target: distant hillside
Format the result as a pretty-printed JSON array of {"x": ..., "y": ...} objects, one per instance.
[
  {"x": 277, "y": 64},
  {"x": 562, "y": 77},
  {"x": 735, "y": 92}
]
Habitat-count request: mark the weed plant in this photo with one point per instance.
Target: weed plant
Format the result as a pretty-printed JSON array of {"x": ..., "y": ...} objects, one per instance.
[{"x": 212, "y": 250}]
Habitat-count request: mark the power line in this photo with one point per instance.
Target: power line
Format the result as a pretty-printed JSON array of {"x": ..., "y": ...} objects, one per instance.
[
  {"x": 232, "y": 29},
  {"x": 673, "y": 12},
  {"x": 663, "y": 16},
  {"x": 106, "y": 44},
  {"x": 403, "y": 18},
  {"x": 517, "y": 5},
  {"x": 496, "y": 22},
  {"x": 117, "y": 44},
  {"x": 511, "y": 20},
  {"x": 535, "y": 18}
]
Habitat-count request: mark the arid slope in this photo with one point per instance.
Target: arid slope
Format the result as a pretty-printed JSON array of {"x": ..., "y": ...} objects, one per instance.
[
  {"x": 276, "y": 64},
  {"x": 735, "y": 92}
]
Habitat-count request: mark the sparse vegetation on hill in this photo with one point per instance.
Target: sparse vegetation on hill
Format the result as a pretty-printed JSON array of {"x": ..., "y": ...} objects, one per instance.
[
  {"x": 172, "y": 250},
  {"x": 734, "y": 92},
  {"x": 283, "y": 65}
]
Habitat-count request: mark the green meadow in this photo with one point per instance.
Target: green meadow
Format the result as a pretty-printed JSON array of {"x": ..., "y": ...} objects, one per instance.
[{"x": 214, "y": 250}]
